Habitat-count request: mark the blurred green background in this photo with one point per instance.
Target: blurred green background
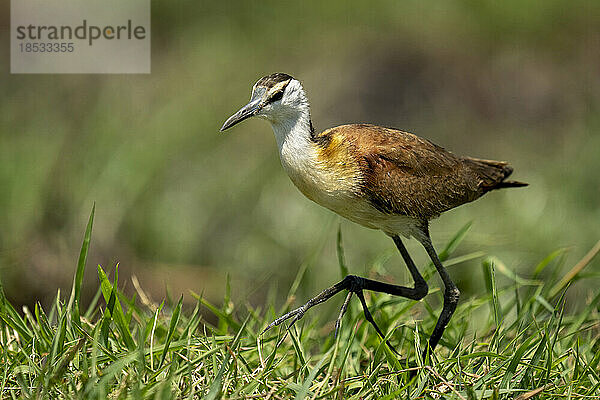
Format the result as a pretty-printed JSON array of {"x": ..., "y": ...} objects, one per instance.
[{"x": 181, "y": 205}]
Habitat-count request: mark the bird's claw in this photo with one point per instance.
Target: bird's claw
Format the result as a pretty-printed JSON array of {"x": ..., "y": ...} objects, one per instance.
[{"x": 297, "y": 314}]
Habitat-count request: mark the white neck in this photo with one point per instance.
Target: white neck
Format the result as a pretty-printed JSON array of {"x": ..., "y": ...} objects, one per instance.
[
  {"x": 293, "y": 130},
  {"x": 296, "y": 149}
]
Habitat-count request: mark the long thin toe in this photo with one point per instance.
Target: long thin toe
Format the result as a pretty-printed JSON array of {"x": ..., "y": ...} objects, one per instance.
[
  {"x": 370, "y": 319},
  {"x": 338, "y": 322},
  {"x": 281, "y": 319}
]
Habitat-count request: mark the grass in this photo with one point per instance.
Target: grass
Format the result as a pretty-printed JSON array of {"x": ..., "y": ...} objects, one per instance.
[{"x": 515, "y": 342}]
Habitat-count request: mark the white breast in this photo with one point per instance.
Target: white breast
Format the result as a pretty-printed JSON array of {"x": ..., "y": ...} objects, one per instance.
[{"x": 323, "y": 185}]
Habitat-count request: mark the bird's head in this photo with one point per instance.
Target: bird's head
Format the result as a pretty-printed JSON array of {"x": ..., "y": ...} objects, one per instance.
[{"x": 278, "y": 98}]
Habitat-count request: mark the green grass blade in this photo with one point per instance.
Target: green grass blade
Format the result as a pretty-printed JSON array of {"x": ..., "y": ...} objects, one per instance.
[
  {"x": 546, "y": 261},
  {"x": 455, "y": 241},
  {"x": 490, "y": 282},
  {"x": 572, "y": 274},
  {"x": 297, "y": 345},
  {"x": 340, "y": 253},
  {"x": 527, "y": 379},
  {"x": 12, "y": 318},
  {"x": 151, "y": 330},
  {"x": 584, "y": 315},
  {"x": 116, "y": 312},
  {"x": 217, "y": 311},
  {"x": 92, "y": 306},
  {"x": 193, "y": 321},
  {"x": 515, "y": 360},
  {"x": 59, "y": 339},
  {"x": 172, "y": 326},
  {"x": 45, "y": 331},
  {"x": 75, "y": 298},
  {"x": 552, "y": 344},
  {"x": 108, "y": 317},
  {"x": 303, "y": 392}
]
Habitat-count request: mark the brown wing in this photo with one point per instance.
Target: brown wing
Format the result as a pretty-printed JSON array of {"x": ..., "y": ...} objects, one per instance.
[{"x": 405, "y": 174}]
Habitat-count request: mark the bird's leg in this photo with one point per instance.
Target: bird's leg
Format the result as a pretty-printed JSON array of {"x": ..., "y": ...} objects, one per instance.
[
  {"x": 356, "y": 284},
  {"x": 352, "y": 283},
  {"x": 451, "y": 295},
  {"x": 320, "y": 298},
  {"x": 421, "y": 289}
]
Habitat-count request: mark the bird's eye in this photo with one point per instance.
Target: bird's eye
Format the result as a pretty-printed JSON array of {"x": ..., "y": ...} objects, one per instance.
[{"x": 277, "y": 96}]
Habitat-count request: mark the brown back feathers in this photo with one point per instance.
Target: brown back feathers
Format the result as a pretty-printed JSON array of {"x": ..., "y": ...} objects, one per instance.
[{"x": 407, "y": 175}]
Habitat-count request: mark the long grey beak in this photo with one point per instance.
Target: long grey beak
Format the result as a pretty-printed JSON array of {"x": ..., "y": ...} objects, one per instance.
[{"x": 245, "y": 112}]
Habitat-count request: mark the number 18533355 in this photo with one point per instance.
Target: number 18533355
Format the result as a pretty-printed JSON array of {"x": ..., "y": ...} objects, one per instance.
[{"x": 47, "y": 47}]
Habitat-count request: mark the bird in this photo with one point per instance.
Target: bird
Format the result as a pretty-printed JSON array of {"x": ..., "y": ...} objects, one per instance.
[{"x": 378, "y": 177}]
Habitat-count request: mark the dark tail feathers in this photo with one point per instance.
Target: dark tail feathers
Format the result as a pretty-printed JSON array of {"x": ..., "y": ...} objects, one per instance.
[
  {"x": 509, "y": 184},
  {"x": 493, "y": 174}
]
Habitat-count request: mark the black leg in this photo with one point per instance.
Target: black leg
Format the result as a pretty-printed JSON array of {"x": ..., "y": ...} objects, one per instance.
[
  {"x": 420, "y": 290},
  {"x": 451, "y": 295},
  {"x": 355, "y": 284}
]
